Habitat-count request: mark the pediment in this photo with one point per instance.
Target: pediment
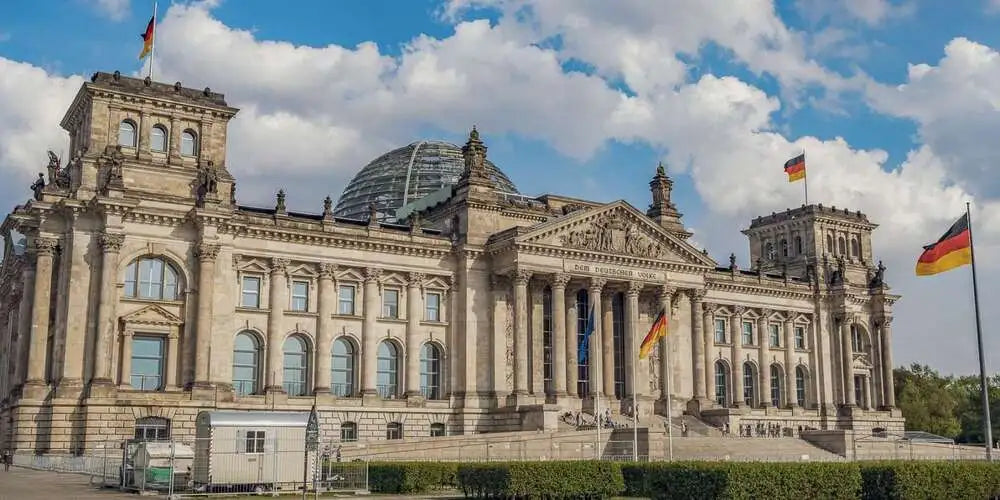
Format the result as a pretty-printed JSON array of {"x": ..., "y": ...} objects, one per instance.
[
  {"x": 618, "y": 229},
  {"x": 152, "y": 315}
]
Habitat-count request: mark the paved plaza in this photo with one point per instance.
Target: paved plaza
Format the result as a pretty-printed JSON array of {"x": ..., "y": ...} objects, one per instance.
[{"x": 20, "y": 483}]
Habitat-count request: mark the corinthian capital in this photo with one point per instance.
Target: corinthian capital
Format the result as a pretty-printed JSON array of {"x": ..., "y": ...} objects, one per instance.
[
  {"x": 560, "y": 280},
  {"x": 665, "y": 291},
  {"x": 739, "y": 310},
  {"x": 326, "y": 270},
  {"x": 597, "y": 284},
  {"x": 521, "y": 276},
  {"x": 45, "y": 246},
  {"x": 416, "y": 279},
  {"x": 696, "y": 294},
  {"x": 279, "y": 265},
  {"x": 372, "y": 274},
  {"x": 111, "y": 242}
]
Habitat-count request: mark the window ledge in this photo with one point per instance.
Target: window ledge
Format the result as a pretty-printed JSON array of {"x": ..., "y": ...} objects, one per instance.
[
  {"x": 305, "y": 314},
  {"x": 252, "y": 309},
  {"x": 347, "y": 316},
  {"x": 724, "y": 344},
  {"x": 393, "y": 320},
  {"x": 803, "y": 351},
  {"x": 434, "y": 323},
  {"x": 139, "y": 300}
]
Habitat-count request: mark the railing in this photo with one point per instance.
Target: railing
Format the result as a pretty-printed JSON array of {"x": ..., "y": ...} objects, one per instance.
[
  {"x": 342, "y": 390},
  {"x": 244, "y": 387},
  {"x": 146, "y": 382},
  {"x": 386, "y": 391},
  {"x": 295, "y": 388},
  {"x": 433, "y": 392}
]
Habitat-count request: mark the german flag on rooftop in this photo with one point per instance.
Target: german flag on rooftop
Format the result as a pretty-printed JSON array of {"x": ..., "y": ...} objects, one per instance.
[
  {"x": 952, "y": 250},
  {"x": 796, "y": 168}
]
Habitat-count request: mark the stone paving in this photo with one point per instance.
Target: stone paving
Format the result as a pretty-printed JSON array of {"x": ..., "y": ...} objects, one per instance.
[{"x": 20, "y": 483}]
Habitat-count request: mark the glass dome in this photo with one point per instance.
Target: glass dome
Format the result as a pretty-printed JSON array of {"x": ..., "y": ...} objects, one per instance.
[{"x": 405, "y": 175}]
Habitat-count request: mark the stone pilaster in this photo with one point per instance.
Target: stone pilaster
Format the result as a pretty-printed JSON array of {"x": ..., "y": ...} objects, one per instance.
[
  {"x": 536, "y": 366},
  {"x": 665, "y": 298},
  {"x": 699, "y": 344},
  {"x": 559, "y": 340},
  {"x": 170, "y": 383},
  {"x": 413, "y": 315},
  {"x": 605, "y": 315},
  {"x": 736, "y": 332},
  {"x": 369, "y": 337},
  {"x": 594, "y": 349},
  {"x": 278, "y": 300},
  {"x": 206, "y": 253},
  {"x": 763, "y": 361},
  {"x": 111, "y": 245},
  {"x": 125, "y": 366},
  {"x": 847, "y": 360},
  {"x": 791, "y": 400},
  {"x": 888, "y": 386},
  {"x": 35, "y": 385},
  {"x": 708, "y": 328},
  {"x": 572, "y": 346},
  {"x": 327, "y": 304},
  {"x": 520, "y": 279}
]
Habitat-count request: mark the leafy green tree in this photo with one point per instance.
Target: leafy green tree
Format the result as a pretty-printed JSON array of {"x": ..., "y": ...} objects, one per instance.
[
  {"x": 924, "y": 397},
  {"x": 969, "y": 410}
]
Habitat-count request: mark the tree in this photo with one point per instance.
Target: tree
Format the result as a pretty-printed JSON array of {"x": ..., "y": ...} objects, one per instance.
[
  {"x": 924, "y": 397},
  {"x": 969, "y": 410}
]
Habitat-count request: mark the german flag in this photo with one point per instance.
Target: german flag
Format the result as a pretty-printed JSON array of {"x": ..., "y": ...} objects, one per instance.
[
  {"x": 147, "y": 38},
  {"x": 656, "y": 332},
  {"x": 952, "y": 250},
  {"x": 796, "y": 168}
]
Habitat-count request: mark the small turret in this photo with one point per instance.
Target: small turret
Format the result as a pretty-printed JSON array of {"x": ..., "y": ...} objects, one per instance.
[{"x": 662, "y": 210}]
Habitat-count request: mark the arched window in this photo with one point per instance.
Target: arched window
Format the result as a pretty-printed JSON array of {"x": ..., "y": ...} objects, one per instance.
[
  {"x": 394, "y": 430},
  {"x": 784, "y": 247},
  {"x": 769, "y": 251},
  {"x": 841, "y": 246},
  {"x": 348, "y": 431},
  {"x": 189, "y": 143},
  {"x": 749, "y": 384},
  {"x": 857, "y": 339},
  {"x": 296, "y": 358},
  {"x": 776, "y": 391},
  {"x": 437, "y": 430},
  {"x": 126, "y": 134},
  {"x": 151, "y": 278},
  {"x": 855, "y": 248},
  {"x": 829, "y": 243},
  {"x": 342, "y": 368},
  {"x": 158, "y": 139},
  {"x": 430, "y": 371},
  {"x": 800, "y": 386},
  {"x": 152, "y": 429},
  {"x": 246, "y": 363},
  {"x": 721, "y": 384},
  {"x": 798, "y": 245},
  {"x": 387, "y": 369}
]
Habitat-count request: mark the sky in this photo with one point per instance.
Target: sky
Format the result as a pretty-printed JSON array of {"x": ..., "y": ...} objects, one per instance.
[{"x": 895, "y": 102}]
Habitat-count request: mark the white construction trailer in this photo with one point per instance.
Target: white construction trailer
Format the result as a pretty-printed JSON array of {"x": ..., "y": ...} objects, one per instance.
[{"x": 249, "y": 451}]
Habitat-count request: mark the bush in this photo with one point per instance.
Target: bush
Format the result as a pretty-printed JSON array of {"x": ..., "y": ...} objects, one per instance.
[
  {"x": 542, "y": 479},
  {"x": 917, "y": 480},
  {"x": 411, "y": 477},
  {"x": 736, "y": 480}
]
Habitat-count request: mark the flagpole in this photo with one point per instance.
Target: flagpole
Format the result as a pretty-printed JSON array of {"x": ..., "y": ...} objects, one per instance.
[
  {"x": 595, "y": 388},
  {"x": 152, "y": 44},
  {"x": 984, "y": 388},
  {"x": 670, "y": 416},
  {"x": 635, "y": 414},
  {"x": 805, "y": 178}
]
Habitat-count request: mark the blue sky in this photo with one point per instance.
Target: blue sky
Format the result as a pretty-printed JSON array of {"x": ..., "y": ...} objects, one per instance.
[{"x": 581, "y": 98}]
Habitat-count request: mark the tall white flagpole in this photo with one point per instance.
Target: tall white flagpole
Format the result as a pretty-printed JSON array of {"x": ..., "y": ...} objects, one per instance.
[
  {"x": 635, "y": 410},
  {"x": 983, "y": 380},
  {"x": 805, "y": 178},
  {"x": 666, "y": 380},
  {"x": 595, "y": 389},
  {"x": 152, "y": 45}
]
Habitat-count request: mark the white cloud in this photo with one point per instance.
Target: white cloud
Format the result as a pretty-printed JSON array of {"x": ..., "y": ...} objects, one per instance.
[{"x": 116, "y": 10}]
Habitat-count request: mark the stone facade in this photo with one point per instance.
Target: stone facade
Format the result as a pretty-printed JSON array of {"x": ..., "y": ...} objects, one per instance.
[{"x": 145, "y": 292}]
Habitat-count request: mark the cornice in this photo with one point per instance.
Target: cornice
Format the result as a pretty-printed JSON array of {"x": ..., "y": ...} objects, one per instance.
[
  {"x": 591, "y": 256},
  {"x": 770, "y": 291},
  {"x": 360, "y": 242}
]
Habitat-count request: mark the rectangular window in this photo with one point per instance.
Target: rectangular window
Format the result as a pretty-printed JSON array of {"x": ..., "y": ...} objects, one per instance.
[
  {"x": 346, "y": 300},
  {"x": 251, "y": 292},
  {"x": 775, "y": 333},
  {"x": 800, "y": 337},
  {"x": 147, "y": 363},
  {"x": 432, "y": 307},
  {"x": 254, "y": 442},
  {"x": 390, "y": 304},
  {"x": 748, "y": 333},
  {"x": 720, "y": 331},
  {"x": 150, "y": 278},
  {"x": 300, "y": 295}
]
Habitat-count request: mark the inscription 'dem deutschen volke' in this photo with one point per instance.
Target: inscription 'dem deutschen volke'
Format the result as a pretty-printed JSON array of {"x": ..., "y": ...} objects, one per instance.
[{"x": 612, "y": 272}]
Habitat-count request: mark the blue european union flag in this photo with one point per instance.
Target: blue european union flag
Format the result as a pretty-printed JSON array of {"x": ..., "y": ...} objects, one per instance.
[{"x": 582, "y": 354}]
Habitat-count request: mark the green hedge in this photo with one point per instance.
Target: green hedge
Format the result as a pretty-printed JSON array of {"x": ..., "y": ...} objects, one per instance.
[
  {"x": 411, "y": 477},
  {"x": 597, "y": 479},
  {"x": 930, "y": 480},
  {"x": 737, "y": 480}
]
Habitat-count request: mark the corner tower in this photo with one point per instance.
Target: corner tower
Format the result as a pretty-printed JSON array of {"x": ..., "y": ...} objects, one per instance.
[{"x": 813, "y": 239}]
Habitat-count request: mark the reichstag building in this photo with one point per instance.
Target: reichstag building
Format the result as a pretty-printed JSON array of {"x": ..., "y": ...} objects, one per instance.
[{"x": 433, "y": 298}]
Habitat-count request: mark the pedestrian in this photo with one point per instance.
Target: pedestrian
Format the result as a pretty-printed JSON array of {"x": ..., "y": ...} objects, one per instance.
[
  {"x": 338, "y": 452},
  {"x": 6, "y": 460}
]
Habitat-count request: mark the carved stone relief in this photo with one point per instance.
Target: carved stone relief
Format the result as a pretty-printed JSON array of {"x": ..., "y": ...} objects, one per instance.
[{"x": 613, "y": 233}]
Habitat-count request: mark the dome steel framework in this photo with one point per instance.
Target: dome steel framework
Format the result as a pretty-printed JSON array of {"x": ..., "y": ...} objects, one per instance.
[{"x": 405, "y": 175}]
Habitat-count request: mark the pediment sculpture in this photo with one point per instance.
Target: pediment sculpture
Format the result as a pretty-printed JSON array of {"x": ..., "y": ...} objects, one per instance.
[{"x": 614, "y": 234}]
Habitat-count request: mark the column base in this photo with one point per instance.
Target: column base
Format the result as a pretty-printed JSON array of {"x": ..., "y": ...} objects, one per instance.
[
  {"x": 101, "y": 388},
  {"x": 696, "y": 405},
  {"x": 69, "y": 389},
  {"x": 415, "y": 399},
  {"x": 35, "y": 390}
]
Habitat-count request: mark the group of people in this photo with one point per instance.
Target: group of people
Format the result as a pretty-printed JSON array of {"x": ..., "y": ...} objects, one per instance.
[
  {"x": 581, "y": 420},
  {"x": 760, "y": 429}
]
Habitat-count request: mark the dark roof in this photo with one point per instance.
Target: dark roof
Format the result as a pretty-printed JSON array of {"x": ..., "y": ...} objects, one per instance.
[{"x": 157, "y": 89}]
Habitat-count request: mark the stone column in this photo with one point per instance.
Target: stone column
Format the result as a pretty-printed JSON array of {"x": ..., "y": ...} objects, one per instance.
[
  {"x": 413, "y": 316},
  {"x": 125, "y": 377},
  {"x": 847, "y": 359},
  {"x": 38, "y": 345},
  {"x": 888, "y": 385},
  {"x": 708, "y": 330},
  {"x": 763, "y": 364},
  {"x": 698, "y": 345},
  {"x": 369, "y": 337},
  {"x": 327, "y": 303},
  {"x": 24, "y": 323},
  {"x": 594, "y": 349},
  {"x": 559, "y": 351},
  {"x": 536, "y": 366},
  {"x": 606, "y": 316},
  {"x": 174, "y": 144},
  {"x": 206, "y": 253},
  {"x": 111, "y": 245},
  {"x": 790, "y": 388},
  {"x": 277, "y": 301},
  {"x": 142, "y": 151},
  {"x": 666, "y": 297},
  {"x": 520, "y": 280},
  {"x": 170, "y": 384},
  {"x": 572, "y": 347},
  {"x": 736, "y": 332}
]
